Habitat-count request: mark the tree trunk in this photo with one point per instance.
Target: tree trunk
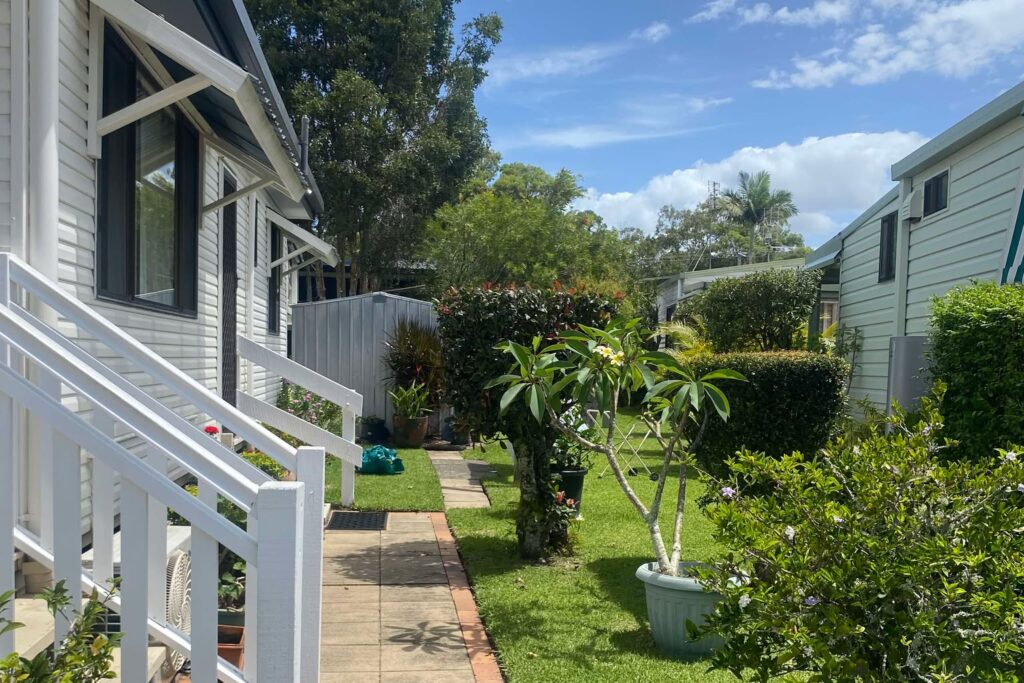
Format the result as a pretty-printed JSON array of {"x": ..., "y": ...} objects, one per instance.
[{"x": 533, "y": 518}]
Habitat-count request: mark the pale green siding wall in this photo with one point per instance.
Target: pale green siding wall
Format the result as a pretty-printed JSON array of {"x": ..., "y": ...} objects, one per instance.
[
  {"x": 869, "y": 306},
  {"x": 966, "y": 241}
]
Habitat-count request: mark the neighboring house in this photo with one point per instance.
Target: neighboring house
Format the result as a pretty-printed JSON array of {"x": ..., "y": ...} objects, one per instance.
[
  {"x": 955, "y": 216},
  {"x": 674, "y": 290},
  {"x": 150, "y": 174}
]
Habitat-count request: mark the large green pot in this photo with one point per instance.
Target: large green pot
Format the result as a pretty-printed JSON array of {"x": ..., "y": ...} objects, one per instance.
[{"x": 671, "y": 602}]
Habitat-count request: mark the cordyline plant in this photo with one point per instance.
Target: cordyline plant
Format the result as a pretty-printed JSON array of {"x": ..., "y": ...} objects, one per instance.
[{"x": 591, "y": 368}]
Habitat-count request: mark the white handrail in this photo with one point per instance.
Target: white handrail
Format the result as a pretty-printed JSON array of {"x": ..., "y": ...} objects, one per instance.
[
  {"x": 146, "y": 359},
  {"x": 233, "y": 485}
]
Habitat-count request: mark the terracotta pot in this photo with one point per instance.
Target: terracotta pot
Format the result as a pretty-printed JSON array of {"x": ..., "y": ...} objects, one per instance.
[
  {"x": 409, "y": 432},
  {"x": 231, "y": 644}
]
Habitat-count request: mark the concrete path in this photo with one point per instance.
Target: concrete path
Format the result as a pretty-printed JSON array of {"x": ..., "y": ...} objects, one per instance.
[
  {"x": 398, "y": 607},
  {"x": 460, "y": 479}
]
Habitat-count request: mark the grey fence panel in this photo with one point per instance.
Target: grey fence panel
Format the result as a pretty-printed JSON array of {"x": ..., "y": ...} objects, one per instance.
[{"x": 345, "y": 340}]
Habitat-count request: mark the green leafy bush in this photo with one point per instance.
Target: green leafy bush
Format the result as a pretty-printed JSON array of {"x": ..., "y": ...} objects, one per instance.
[
  {"x": 312, "y": 408},
  {"x": 978, "y": 352},
  {"x": 85, "y": 656},
  {"x": 413, "y": 354},
  {"x": 791, "y": 401},
  {"x": 875, "y": 560},
  {"x": 472, "y": 322},
  {"x": 763, "y": 311}
]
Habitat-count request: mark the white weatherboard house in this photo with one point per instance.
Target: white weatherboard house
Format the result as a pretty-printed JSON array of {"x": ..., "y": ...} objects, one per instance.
[
  {"x": 152, "y": 192},
  {"x": 955, "y": 216}
]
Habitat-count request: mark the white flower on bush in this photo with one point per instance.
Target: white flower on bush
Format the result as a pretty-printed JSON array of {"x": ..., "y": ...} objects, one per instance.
[
  {"x": 1009, "y": 456},
  {"x": 744, "y": 601},
  {"x": 1020, "y": 488},
  {"x": 790, "y": 533}
]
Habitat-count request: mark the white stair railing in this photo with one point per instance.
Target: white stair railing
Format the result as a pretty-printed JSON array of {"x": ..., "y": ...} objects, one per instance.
[
  {"x": 278, "y": 543},
  {"x": 342, "y": 446}
]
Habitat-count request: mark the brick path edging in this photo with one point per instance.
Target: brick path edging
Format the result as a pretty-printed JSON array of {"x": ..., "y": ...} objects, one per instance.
[{"x": 481, "y": 654}]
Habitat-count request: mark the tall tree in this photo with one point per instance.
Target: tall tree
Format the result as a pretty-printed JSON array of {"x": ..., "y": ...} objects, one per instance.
[
  {"x": 760, "y": 209},
  {"x": 389, "y": 89}
]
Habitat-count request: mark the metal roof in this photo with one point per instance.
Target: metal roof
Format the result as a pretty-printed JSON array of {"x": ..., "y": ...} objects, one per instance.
[{"x": 224, "y": 26}]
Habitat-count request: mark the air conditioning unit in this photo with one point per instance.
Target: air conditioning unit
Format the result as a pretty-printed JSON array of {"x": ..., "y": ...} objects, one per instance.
[
  {"x": 913, "y": 207},
  {"x": 909, "y": 378}
]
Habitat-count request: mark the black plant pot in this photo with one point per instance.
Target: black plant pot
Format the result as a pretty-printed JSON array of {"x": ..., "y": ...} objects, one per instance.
[{"x": 572, "y": 484}]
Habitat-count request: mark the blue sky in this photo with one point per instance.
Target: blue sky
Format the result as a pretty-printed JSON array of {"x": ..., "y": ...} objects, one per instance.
[{"x": 648, "y": 100}]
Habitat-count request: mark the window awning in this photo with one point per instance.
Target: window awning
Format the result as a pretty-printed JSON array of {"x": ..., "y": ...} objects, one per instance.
[
  {"x": 825, "y": 255},
  {"x": 310, "y": 244},
  {"x": 206, "y": 76}
]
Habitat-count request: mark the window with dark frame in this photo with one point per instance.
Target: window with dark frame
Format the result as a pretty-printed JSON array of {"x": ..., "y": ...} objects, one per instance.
[
  {"x": 147, "y": 195},
  {"x": 936, "y": 193},
  {"x": 887, "y": 248},
  {"x": 274, "y": 284}
]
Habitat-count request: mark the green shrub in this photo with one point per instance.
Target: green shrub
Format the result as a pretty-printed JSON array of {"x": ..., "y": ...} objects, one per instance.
[
  {"x": 875, "y": 560},
  {"x": 313, "y": 409},
  {"x": 791, "y": 401},
  {"x": 763, "y": 311},
  {"x": 472, "y": 322},
  {"x": 978, "y": 351}
]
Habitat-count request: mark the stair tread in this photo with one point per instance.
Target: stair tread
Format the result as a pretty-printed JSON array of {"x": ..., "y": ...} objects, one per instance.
[
  {"x": 155, "y": 657},
  {"x": 37, "y": 633}
]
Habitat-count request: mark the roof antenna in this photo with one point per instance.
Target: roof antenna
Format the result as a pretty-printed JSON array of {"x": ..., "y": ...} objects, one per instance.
[{"x": 304, "y": 144}]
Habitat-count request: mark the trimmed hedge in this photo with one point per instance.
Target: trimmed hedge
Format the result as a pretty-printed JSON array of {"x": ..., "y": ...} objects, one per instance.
[
  {"x": 791, "y": 401},
  {"x": 978, "y": 351},
  {"x": 472, "y": 322}
]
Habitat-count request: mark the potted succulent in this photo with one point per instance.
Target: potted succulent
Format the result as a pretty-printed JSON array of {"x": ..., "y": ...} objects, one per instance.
[
  {"x": 231, "y": 615},
  {"x": 409, "y": 423},
  {"x": 593, "y": 367}
]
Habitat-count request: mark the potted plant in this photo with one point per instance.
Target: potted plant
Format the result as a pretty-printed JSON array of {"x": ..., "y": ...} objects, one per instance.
[
  {"x": 375, "y": 430},
  {"x": 231, "y": 614},
  {"x": 409, "y": 423},
  {"x": 570, "y": 460},
  {"x": 593, "y": 367}
]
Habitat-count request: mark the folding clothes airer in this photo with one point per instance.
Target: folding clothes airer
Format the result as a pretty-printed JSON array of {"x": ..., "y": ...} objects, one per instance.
[{"x": 633, "y": 456}]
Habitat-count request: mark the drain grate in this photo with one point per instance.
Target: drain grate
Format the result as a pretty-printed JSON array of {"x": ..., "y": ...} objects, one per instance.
[{"x": 357, "y": 521}]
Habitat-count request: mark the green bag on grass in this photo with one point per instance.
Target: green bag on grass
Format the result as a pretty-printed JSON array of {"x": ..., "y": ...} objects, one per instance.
[{"x": 381, "y": 460}]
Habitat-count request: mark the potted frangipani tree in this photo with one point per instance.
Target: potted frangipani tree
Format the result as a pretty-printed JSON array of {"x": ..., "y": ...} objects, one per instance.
[{"x": 591, "y": 368}]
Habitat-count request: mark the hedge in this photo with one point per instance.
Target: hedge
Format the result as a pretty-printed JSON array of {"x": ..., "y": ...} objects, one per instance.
[
  {"x": 472, "y": 322},
  {"x": 977, "y": 350},
  {"x": 791, "y": 401}
]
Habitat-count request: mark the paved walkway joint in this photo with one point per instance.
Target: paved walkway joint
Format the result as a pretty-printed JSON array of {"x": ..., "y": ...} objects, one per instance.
[
  {"x": 397, "y": 607},
  {"x": 460, "y": 479}
]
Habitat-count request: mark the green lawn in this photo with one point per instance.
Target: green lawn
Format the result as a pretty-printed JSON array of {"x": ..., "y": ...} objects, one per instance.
[
  {"x": 415, "y": 489},
  {"x": 581, "y": 618}
]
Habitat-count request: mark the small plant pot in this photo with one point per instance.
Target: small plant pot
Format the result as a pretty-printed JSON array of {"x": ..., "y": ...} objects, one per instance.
[
  {"x": 375, "y": 431},
  {"x": 409, "y": 432},
  {"x": 231, "y": 644},
  {"x": 231, "y": 617},
  {"x": 671, "y": 602},
  {"x": 572, "y": 484}
]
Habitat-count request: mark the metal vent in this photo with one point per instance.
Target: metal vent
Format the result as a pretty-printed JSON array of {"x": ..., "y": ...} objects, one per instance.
[{"x": 357, "y": 521}]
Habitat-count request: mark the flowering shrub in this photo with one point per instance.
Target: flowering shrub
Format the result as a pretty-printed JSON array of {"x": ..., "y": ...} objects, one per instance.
[
  {"x": 872, "y": 561},
  {"x": 305, "y": 404}
]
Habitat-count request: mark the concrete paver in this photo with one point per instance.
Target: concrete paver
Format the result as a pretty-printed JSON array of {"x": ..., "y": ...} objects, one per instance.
[{"x": 397, "y": 607}]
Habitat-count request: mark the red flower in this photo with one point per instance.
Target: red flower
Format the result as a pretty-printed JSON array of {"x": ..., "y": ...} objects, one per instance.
[
  {"x": 559, "y": 497},
  {"x": 211, "y": 430}
]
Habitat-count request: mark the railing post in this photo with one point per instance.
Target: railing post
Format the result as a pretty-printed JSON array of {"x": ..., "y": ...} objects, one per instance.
[
  {"x": 67, "y": 525},
  {"x": 348, "y": 470},
  {"x": 204, "y": 594},
  {"x": 279, "y": 507},
  {"x": 310, "y": 471},
  {"x": 157, "y": 537},
  {"x": 134, "y": 580},
  {"x": 252, "y": 598},
  {"x": 102, "y": 507},
  {"x": 8, "y": 482}
]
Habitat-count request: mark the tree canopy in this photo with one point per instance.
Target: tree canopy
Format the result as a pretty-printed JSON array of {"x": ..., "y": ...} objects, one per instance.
[{"x": 389, "y": 89}]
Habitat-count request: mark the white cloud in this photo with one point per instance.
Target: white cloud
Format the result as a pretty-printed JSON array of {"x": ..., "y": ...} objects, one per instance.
[
  {"x": 816, "y": 14},
  {"x": 956, "y": 39},
  {"x": 574, "y": 61},
  {"x": 832, "y": 180},
  {"x": 587, "y": 136},
  {"x": 699, "y": 104},
  {"x": 655, "y": 33}
]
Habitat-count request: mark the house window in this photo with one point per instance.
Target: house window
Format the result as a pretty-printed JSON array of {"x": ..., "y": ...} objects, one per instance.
[
  {"x": 827, "y": 314},
  {"x": 148, "y": 195},
  {"x": 274, "y": 284},
  {"x": 887, "y": 248},
  {"x": 936, "y": 193}
]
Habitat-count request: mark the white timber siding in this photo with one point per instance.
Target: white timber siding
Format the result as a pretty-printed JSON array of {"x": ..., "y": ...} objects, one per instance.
[
  {"x": 192, "y": 344},
  {"x": 868, "y": 305},
  {"x": 965, "y": 241},
  {"x": 6, "y": 170}
]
